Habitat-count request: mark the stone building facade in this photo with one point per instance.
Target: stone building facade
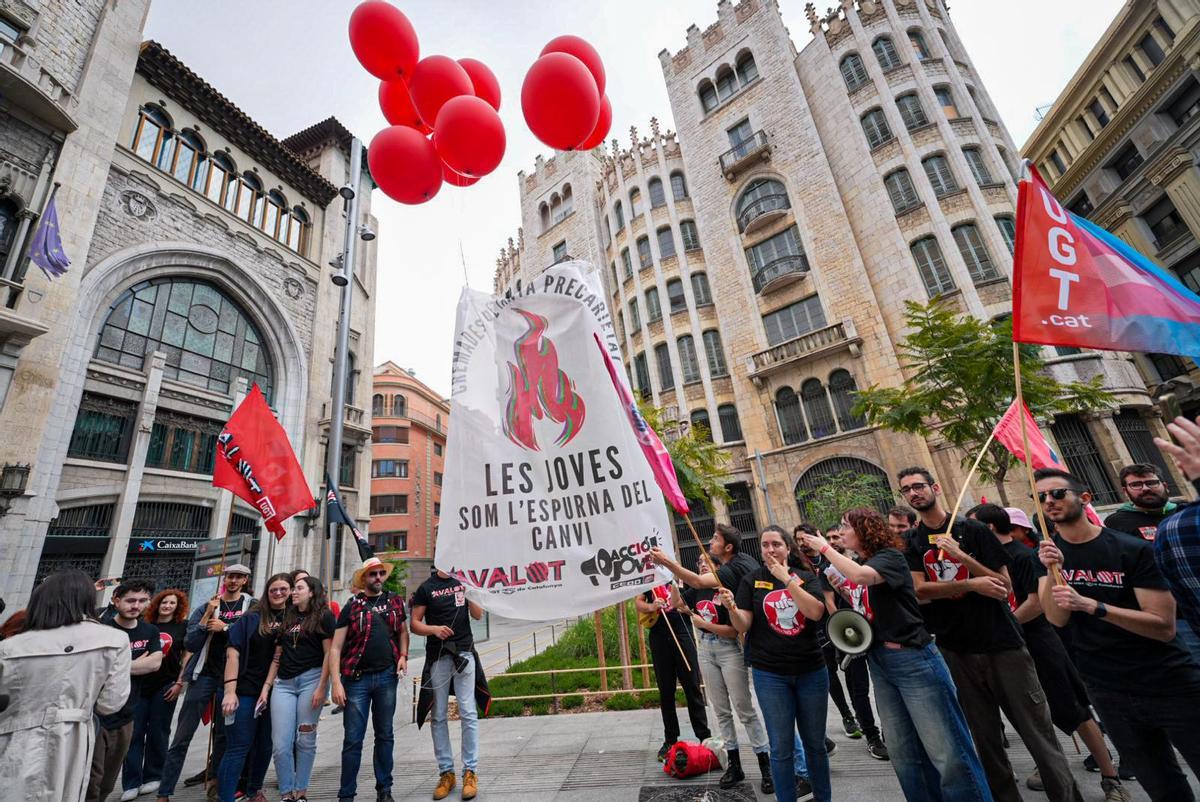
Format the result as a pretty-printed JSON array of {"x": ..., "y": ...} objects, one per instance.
[
  {"x": 759, "y": 259},
  {"x": 200, "y": 249},
  {"x": 408, "y": 455},
  {"x": 1119, "y": 146}
]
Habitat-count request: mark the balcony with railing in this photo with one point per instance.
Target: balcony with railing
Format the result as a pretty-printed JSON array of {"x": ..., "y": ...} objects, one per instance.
[
  {"x": 779, "y": 272},
  {"x": 26, "y": 84},
  {"x": 810, "y": 345},
  {"x": 436, "y": 425},
  {"x": 742, "y": 155},
  {"x": 763, "y": 211},
  {"x": 355, "y": 420}
]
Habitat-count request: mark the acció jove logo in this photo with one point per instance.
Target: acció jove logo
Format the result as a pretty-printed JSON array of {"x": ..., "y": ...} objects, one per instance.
[
  {"x": 624, "y": 566},
  {"x": 539, "y": 388}
]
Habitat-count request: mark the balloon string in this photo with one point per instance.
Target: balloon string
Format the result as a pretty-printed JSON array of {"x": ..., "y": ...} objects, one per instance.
[{"x": 463, "y": 258}]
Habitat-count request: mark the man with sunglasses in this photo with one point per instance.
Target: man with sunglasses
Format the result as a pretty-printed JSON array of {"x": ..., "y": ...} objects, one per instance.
[
  {"x": 960, "y": 573},
  {"x": 368, "y": 654},
  {"x": 1121, "y": 618},
  {"x": 1148, "y": 502}
]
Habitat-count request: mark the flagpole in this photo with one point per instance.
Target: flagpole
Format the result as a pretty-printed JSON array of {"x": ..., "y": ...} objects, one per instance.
[
  {"x": 18, "y": 275},
  {"x": 967, "y": 483},
  {"x": 1041, "y": 515}
]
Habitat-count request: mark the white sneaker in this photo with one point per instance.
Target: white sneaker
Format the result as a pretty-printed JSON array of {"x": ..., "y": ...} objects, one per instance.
[
  {"x": 129, "y": 795},
  {"x": 148, "y": 788}
]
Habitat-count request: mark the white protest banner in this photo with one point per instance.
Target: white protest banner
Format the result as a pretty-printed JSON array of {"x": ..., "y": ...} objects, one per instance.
[{"x": 549, "y": 507}]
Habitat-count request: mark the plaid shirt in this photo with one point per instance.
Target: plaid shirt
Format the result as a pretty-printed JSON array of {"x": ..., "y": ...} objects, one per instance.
[
  {"x": 391, "y": 614},
  {"x": 1177, "y": 552}
]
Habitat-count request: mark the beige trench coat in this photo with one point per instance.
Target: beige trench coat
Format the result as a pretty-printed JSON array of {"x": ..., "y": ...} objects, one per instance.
[{"x": 56, "y": 679}]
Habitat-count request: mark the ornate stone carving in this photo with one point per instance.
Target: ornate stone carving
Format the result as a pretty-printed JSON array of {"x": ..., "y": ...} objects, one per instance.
[
  {"x": 293, "y": 287},
  {"x": 137, "y": 205}
]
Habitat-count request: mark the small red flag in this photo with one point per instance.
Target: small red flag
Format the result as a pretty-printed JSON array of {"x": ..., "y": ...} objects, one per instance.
[{"x": 255, "y": 462}]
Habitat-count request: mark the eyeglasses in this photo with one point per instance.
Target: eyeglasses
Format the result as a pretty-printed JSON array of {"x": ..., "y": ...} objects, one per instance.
[
  {"x": 1144, "y": 484},
  {"x": 1058, "y": 494},
  {"x": 377, "y": 573},
  {"x": 915, "y": 487}
]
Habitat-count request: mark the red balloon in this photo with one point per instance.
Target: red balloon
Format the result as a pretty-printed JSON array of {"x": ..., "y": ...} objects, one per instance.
[
  {"x": 455, "y": 180},
  {"x": 384, "y": 40},
  {"x": 602, "y": 125},
  {"x": 397, "y": 106},
  {"x": 469, "y": 136},
  {"x": 484, "y": 81},
  {"x": 435, "y": 80},
  {"x": 580, "y": 49},
  {"x": 560, "y": 101},
  {"x": 405, "y": 165}
]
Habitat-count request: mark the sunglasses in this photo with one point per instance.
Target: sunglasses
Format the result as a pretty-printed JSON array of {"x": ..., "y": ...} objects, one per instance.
[
  {"x": 377, "y": 573},
  {"x": 1058, "y": 494}
]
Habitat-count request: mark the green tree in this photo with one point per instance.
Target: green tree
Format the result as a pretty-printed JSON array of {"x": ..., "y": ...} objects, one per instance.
[
  {"x": 700, "y": 465},
  {"x": 824, "y": 506},
  {"x": 961, "y": 383},
  {"x": 395, "y": 581}
]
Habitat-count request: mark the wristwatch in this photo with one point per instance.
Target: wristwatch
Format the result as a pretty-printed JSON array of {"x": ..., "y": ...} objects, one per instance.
[{"x": 1101, "y": 610}]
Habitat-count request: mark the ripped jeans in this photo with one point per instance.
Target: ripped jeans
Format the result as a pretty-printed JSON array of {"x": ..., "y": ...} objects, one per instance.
[{"x": 294, "y": 729}]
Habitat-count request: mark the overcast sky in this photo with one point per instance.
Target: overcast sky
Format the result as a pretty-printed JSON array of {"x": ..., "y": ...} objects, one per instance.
[{"x": 288, "y": 64}]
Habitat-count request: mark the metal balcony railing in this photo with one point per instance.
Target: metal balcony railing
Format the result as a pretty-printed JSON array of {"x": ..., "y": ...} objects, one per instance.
[
  {"x": 761, "y": 210},
  {"x": 790, "y": 266},
  {"x": 737, "y": 158}
]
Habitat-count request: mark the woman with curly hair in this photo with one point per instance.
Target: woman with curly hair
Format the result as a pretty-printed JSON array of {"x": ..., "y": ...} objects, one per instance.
[
  {"x": 930, "y": 745},
  {"x": 155, "y": 706}
]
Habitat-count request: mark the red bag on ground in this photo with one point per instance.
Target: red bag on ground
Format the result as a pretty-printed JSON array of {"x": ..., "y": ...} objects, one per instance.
[{"x": 688, "y": 758}]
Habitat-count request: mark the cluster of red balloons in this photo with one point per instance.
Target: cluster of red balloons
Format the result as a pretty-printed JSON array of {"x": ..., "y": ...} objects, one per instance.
[
  {"x": 457, "y": 102},
  {"x": 563, "y": 96}
]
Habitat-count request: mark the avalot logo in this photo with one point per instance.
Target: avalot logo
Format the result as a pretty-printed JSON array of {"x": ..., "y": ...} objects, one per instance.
[{"x": 539, "y": 388}]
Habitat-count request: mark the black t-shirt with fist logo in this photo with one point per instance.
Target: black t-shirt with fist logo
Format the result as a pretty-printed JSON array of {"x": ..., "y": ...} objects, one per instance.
[
  {"x": 972, "y": 623},
  {"x": 704, "y": 602},
  {"x": 782, "y": 640}
]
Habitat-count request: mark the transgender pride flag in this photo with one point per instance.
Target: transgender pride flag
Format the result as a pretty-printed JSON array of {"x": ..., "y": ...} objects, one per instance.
[{"x": 1076, "y": 284}]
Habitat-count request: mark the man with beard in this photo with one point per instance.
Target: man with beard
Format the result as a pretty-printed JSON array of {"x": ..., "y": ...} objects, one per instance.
[
  {"x": 960, "y": 574},
  {"x": 1149, "y": 502},
  {"x": 1121, "y": 617}
]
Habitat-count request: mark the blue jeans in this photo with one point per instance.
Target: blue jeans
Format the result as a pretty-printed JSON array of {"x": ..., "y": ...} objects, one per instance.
[
  {"x": 148, "y": 749},
  {"x": 928, "y": 740},
  {"x": 441, "y": 675},
  {"x": 246, "y": 737},
  {"x": 197, "y": 697},
  {"x": 791, "y": 704},
  {"x": 373, "y": 693},
  {"x": 294, "y": 729}
]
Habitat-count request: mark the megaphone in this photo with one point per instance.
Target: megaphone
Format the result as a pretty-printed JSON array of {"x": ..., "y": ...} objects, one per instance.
[{"x": 850, "y": 632}]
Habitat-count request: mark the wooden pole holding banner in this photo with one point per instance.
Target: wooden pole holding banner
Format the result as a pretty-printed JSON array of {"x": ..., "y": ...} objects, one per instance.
[
  {"x": 642, "y": 656},
  {"x": 599, "y": 624},
  {"x": 623, "y": 645},
  {"x": 1037, "y": 504},
  {"x": 967, "y": 483}
]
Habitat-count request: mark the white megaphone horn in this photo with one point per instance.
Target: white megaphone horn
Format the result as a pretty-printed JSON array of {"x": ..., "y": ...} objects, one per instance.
[{"x": 850, "y": 632}]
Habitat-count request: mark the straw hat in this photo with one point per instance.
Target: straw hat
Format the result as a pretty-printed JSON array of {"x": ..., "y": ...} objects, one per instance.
[{"x": 359, "y": 580}]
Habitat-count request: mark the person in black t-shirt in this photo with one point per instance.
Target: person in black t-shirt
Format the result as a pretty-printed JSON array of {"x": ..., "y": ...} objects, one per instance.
[
  {"x": 1148, "y": 502},
  {"x": 1121, "y": 615},
  {"x": 928, "y": 737},
  {"x": 673, "y": 653},
  {"x": 442, "y": 613},
  {"x": 143, "y": 767},
  {"x": 296, "y": 683},
  {"x": 962, "y": 577},
  {"x": 252, "y": 642},
  {"x": 1070, "y": 708},
  {"x": 368, "y": 655},
  {"x": 116, "y": 729},
  {"x": 779, "y": 606}
]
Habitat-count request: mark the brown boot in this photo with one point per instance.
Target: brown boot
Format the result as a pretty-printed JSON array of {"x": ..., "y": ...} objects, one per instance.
[
  {"x": 445, "y": 785},
  {"x": 470, "y": 784}
]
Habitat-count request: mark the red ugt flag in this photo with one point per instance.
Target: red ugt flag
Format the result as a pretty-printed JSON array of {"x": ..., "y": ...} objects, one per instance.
[{"x": 255, "y": 461}]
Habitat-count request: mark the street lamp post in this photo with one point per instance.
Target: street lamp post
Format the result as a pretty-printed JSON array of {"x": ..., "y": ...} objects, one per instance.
[{"x": 337, "y": 412}]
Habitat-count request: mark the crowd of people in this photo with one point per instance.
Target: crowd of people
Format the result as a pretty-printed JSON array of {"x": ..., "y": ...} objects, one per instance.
[{"x": 978, "y": 622}]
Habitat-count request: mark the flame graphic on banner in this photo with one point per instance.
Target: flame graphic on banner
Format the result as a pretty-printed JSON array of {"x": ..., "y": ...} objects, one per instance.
[{"x": 537, "y": 387}]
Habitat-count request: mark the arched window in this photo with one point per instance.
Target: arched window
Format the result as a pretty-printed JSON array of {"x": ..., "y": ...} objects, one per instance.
[
  {"x": 854, "y": 72},
  {"x": 689, "y": 365},
  {"x": 747, "y": 70},
  {"x": 911, "y": 111},
  {"x": 932, "y": 267},
  {"x": 970, "y": 245},
  {"x": 731, "y": 426},
  {"x": 635, "y": 202},
  {"x": 700, "y": 290},
  {"x": 917, "y": 40},
  {"x": 761, "y": 196},
  {"x": 627, "y": 262},
  {"x": 399, "y": 406},
  {"x": 726, "y": 83},
  {"x": 699, "y": 418},
  {"x": 901, "y": 190},
  {"x": 8, "y": 228},
  {"x": 645, "y": 259},
  {"x": 619, "y": 216},
  {"x": 274, "y": 211},
  {"x": 189, "y": 155},
  {"x": 708, "y": 95},
  {"x": 886, "y": 53},
  {"x": 842, "y": 390},
  {"x": 653, "y": 308},
  {"x": 568, "y": 200},
  {"x": 819, "y": 476},
  {"x": 816, "y": 408},
  {"x": 208, "y": 338},
  {"x": 666, "y": 242},
  {"x": 635, "y": 319},
  {"x": 1008, "y": 229},
  {"x": 298, "y": 230},
  {"x": 657, "y": 196},
  {"x": 791, "y": 420},
  {"x": 689, "y": 234},
  {"x": 937, "y": 170},
  {"x": 675, "y": 296},
  {"x": 152, "y": 134},
  {"x": 250, "y": 198},
  {"x": 544, "y": 215},
  {"x": 221, "y": 180},
  {"x": 715, "y": 354},
  {"x": 377, "y": 405},
  {"x": 555, "y": 208},
  {"x": 679, "y": 189},
  {"x": 874, "y": 125},
  {"x": 979, "y": 168},
  {"x": 662, "y": 358}
]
